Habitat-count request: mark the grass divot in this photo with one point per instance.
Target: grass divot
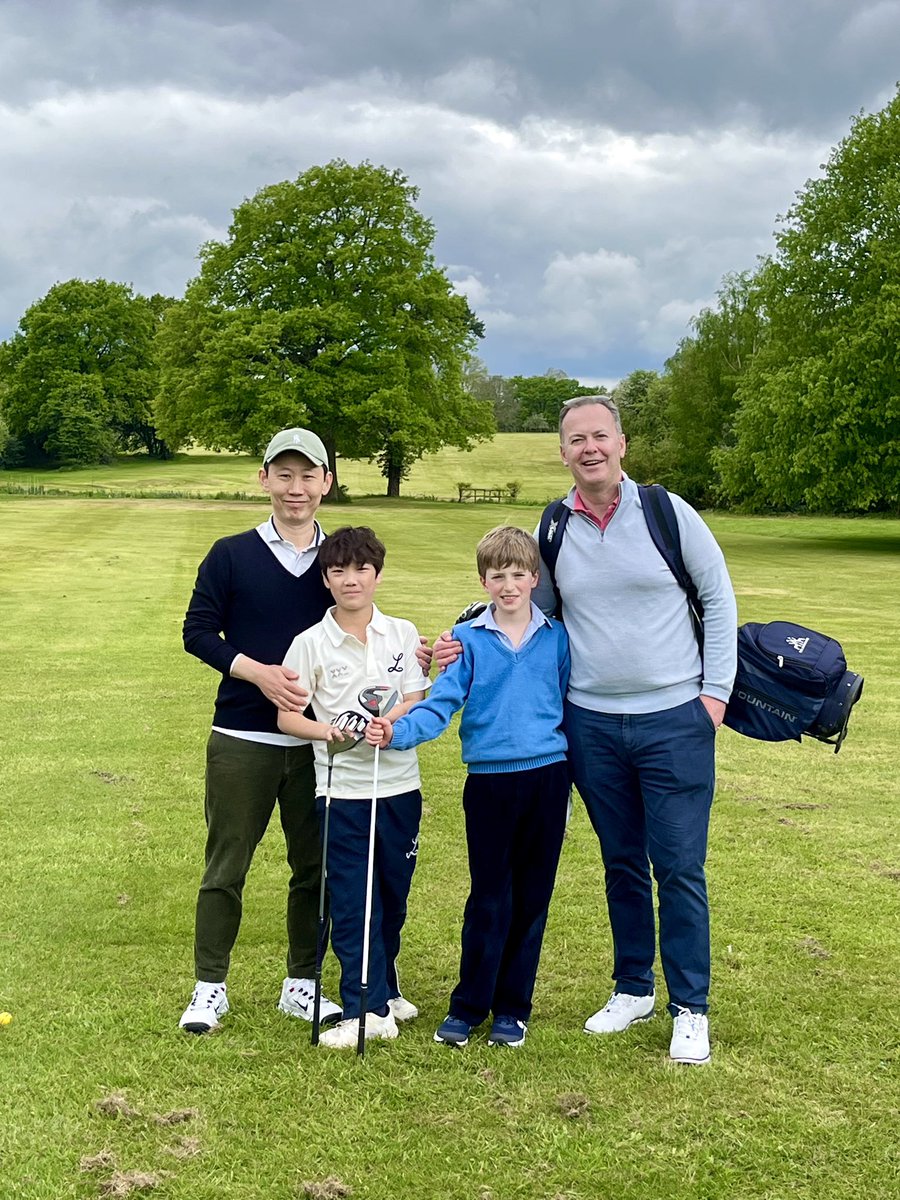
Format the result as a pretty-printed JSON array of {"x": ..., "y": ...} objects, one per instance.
[
  {"x": 573, "y": 1105},
  {"x": 97, "y": 1162},
  {"x": 115, "y": 1105},
  {"x": 178, "y": 1116},
  {"x": 813, "y": 948},
  {"x": 123, "y": 1183},
  {"x": 331, "y": 1188},
  {"x": 185, "y": 1147}
]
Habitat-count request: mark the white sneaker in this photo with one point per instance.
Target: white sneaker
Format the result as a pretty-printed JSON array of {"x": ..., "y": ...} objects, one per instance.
[
  {"x": 208, "y": 1003},
  {"x": 345, "y": 1035},
  {"x": 298, "y": 999},
  {"x": 621, "y": 1011},
  {"x": 690, "y": 1038},
  {"x": 402, "y": 1008}
]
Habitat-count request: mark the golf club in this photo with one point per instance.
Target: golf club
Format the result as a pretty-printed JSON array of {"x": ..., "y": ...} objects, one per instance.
[
  {"x": 333, "y": 748},
  {"x": 370, "y": 874},
  {"x": 323, "y": 880}
]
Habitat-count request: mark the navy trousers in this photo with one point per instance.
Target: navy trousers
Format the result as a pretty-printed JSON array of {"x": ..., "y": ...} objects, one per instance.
[
  {"x": 515, "y": 823},
  {"x": 647, "y": 781},
  {"x": 396, "y": 848}
]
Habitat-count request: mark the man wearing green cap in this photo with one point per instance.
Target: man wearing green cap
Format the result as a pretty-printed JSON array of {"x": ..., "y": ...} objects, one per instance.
[{"x": 255, "y": 592}]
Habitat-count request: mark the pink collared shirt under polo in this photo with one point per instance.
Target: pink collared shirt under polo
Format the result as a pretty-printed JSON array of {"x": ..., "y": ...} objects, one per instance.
[{"x": 601, "y": 522}]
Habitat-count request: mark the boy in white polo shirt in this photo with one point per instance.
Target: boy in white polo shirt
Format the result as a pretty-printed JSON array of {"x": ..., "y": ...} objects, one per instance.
[{"x": 357, "y": 663}]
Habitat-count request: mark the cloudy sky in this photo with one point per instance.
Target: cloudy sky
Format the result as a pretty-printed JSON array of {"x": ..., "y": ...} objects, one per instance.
[{"x": 593, "y": 167}]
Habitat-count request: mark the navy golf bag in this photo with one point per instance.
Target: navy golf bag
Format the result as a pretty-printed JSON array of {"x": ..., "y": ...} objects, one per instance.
[{"x": 790, "y": 681}]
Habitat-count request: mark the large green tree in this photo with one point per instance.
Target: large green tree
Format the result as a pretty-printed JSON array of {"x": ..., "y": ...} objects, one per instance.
[
  {"x": 818, "y": 423},
  {"x": 702, "y": 380},
  {"x": 324, "y": 307},
  {"x": 77, "y": 379},
  {"x": 540, "y": 397}
]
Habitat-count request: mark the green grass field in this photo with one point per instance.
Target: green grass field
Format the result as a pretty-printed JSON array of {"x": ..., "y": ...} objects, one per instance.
[
  {"x": 103, "y": 720},
  {"x": 531, "y": 459}
]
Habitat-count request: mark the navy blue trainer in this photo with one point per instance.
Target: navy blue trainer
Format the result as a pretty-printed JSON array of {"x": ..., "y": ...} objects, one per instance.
[
  {"x": 453, "y": 1032},
  {"x": 507, "y": 1031}
]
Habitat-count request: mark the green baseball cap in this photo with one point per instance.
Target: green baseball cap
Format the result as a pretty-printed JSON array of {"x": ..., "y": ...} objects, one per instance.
[{"x": 302, "y": 441}]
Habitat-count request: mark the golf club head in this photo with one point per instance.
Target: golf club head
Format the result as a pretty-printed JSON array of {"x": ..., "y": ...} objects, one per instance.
[
  {"x": 373, "y": 700},
  {"x": 475, "y": 609}
]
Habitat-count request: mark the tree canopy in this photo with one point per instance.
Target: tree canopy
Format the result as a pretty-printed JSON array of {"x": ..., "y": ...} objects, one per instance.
[
  {"x": 324, "y": 307},
  {"x": 818, "y": 410},
  {"x": 78, "y": 378}
]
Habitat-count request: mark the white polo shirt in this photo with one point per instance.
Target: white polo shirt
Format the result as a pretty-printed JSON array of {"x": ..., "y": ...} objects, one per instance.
[{"x": 335, "y": 668}]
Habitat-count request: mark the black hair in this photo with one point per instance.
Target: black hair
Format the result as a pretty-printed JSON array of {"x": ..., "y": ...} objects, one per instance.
[{"x": 351, "y": 545}]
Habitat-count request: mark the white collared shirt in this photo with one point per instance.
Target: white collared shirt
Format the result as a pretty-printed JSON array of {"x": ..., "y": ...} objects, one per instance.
[
  {"x": 335, "y": 667},
  {"x": 298, "y": 562}
]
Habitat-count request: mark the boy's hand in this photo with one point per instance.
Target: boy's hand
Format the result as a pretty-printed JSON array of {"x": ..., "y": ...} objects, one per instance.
[
  {"x": 423, "y": 655},
  {"x": 446, "y": 650},
  {"x": 379, "y": 732}
]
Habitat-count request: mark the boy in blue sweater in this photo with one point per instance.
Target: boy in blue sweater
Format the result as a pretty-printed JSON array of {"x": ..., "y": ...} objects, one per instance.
[{"x": 510, "y": 682}]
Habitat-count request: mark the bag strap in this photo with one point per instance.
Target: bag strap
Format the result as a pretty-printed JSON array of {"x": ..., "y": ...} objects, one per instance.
[
  {"x": 553, "y": 523},
  {"x": 662, "y": 524}
]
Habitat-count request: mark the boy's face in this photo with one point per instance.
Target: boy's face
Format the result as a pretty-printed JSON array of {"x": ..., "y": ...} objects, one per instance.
[
  {"x": 510, "y": 588},
  {"x": 296, "y": 487},
  {"x": 352, "y": 586}
]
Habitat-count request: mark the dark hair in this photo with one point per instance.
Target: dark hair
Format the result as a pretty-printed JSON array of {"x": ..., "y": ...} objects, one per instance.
[{"x": 351, "y": 545}]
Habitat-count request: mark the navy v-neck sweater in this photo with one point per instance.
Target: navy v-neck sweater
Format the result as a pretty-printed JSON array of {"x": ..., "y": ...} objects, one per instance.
[{"x": 246, "y": 602}]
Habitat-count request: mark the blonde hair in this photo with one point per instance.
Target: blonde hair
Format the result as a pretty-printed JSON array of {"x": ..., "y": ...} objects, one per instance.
[{"x": 507, "y": 546}]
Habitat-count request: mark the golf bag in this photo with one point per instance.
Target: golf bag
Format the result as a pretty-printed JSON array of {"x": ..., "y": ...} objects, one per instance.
[{"x": 790, "y": 680}]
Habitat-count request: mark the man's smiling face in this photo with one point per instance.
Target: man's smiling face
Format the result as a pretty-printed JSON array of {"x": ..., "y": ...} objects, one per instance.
[{"x": 592, "y": 448}]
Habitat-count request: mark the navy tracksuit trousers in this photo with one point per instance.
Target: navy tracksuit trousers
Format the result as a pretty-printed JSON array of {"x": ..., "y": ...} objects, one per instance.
[
  {"x": 396, "y": 847},
  {"x": 515, "y": 823}
]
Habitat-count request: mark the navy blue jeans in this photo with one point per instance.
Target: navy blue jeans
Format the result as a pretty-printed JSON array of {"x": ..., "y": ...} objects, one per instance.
[
  {"x": 647, "y": 782},
  {"x": 396, "y": 848}
]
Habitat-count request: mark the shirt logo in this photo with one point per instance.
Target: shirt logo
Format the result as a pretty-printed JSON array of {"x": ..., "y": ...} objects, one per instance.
[
  {"x": 341, "y": 671},
  {"x": 396, "y": 668}
]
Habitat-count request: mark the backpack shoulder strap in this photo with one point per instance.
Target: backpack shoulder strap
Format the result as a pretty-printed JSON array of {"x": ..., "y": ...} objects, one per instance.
[
  {"x": 662, "y": 525},
  {"x": 550, "y": 533}
]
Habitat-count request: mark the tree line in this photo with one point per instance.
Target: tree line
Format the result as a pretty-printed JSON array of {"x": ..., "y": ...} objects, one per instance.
[{"x": 324, "y": 306}]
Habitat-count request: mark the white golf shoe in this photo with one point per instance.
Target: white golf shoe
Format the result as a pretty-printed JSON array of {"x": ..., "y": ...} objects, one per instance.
[
  {"x": 298, "y": 999},
  {"x": 345, "y": 1035},
  {"x": 403, "y": 1009},
  {"x": 208, "y": 1003},
  {"x": 621, "y": 1011},
  {"x": 690, "y": 1038}
]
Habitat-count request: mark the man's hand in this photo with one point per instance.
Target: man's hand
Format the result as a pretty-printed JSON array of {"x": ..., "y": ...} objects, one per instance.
[
  {"x": 715, "y": 708},
  {"x": 379, "y": 732},
  {"x": 275, "y": 682},
  {"x": 446, "y": 650},
  {"x": 423, "y": 655}
]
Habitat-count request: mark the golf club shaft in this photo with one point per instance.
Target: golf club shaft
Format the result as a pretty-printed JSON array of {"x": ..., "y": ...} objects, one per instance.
[
  {"x": 323, "y": 879},
  {"x": 370, "y": 877}
]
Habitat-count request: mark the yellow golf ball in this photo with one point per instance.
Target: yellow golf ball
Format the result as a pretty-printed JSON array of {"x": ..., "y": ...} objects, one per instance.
[{"x": 5, "y": 1018}]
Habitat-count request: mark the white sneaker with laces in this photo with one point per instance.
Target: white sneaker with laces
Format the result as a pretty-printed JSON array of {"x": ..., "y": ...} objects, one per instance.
[
  {"x": 345, "y": 1035},
  {"x": 298, "y": 999},
  {"x": 403, "y": 1009},
  {"x": 208, "y": 1003},
  {"x": 621, "y": 1011},
  {"x": 690, "y": 1038}
]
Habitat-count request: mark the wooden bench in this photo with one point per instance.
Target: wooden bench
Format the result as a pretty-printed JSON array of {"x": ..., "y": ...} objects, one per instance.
[{"x": 494, "y": 494}]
